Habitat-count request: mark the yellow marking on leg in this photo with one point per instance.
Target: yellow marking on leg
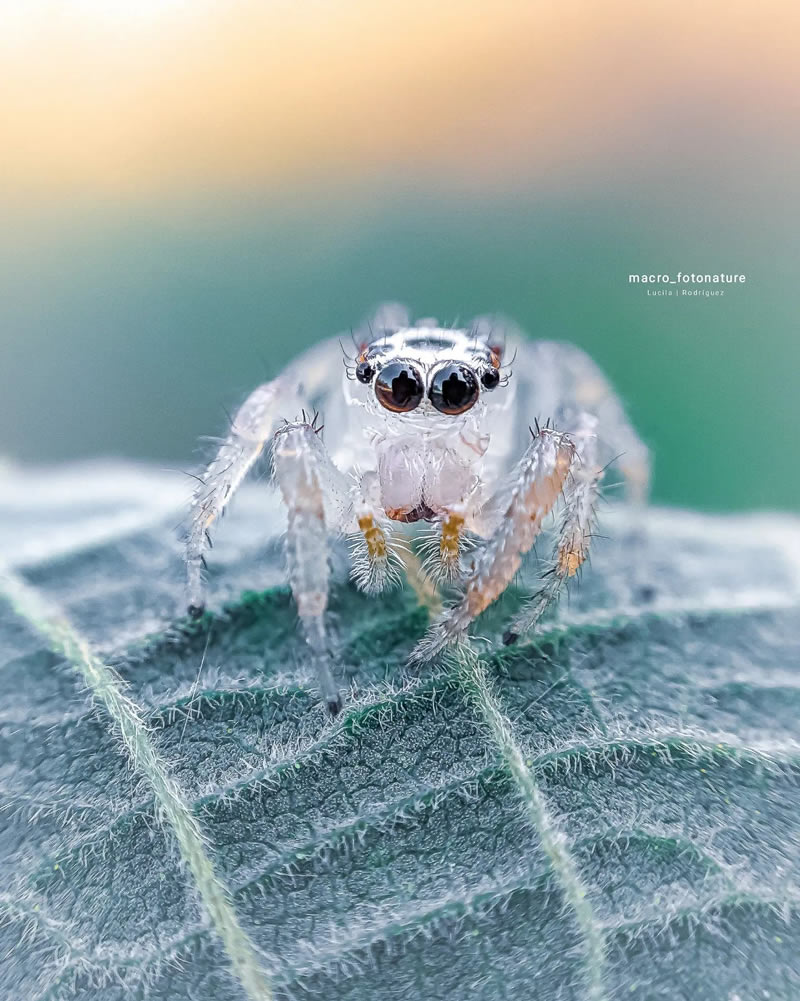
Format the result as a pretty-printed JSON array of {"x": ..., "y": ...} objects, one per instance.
[
  {"x": 450, "y": 542},
  {"x": 374, "y": 537}
]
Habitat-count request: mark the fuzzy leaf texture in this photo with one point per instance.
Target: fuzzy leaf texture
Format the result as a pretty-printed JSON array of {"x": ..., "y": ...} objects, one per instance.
[{"x": 609, "y": 811}]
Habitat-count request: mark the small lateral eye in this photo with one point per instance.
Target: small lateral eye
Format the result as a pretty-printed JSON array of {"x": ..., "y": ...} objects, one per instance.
[
  {"x": 490, "y": 378},
  {"x": 364, "y": 372},
  {"x": 399, "y": 387},
  {"x": 454, "y": 389}
]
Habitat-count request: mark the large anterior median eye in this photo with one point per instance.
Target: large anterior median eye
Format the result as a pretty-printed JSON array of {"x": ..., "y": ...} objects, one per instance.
[
  {"x": 454, "y": 389},
  {"x": 399, "y": 387}
]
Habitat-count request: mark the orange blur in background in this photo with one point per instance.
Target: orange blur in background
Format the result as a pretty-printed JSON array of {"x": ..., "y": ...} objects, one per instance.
[
  {"x": 193, "y": 191},
  {"x": 121, "y": 99}
]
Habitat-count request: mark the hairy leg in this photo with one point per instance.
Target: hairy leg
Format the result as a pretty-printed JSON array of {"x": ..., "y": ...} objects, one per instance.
[
  {"x": 586, "y": 391},
  {"x": 568, "y": 385},
  {"x": 574, "y": 533},
  {"x": 250, "y": 431},
  {"x": 314, "y": 377},
  {"x": 315, "y": 494},
  {"x": 534, "y": 487},
  {"x": 375, "y": 560},
  {"x": 442, "y": 547}
]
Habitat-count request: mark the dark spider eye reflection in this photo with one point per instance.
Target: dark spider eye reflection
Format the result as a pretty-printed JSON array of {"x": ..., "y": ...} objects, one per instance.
[
  {"x": 364, "y": 372},
  {"x": 490, "y": 378},
  {"x": 454, "y": 389},
  {"x": 399, "y": 387}
]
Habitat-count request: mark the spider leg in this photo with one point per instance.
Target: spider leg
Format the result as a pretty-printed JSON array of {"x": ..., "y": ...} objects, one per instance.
[
  {"x": 565, "y": 383},
  {"x": 584, "y": 390},
  {"x": 250, "y": 431},
  {"x": 313, "y": 376},
  {"x": 315, "y": 493},
  {"x": 376, "y": 563},
  {"x": 574, "y": 531},
  {"x": 536, "y": 484},
  {"x": 443, "y": 547}
]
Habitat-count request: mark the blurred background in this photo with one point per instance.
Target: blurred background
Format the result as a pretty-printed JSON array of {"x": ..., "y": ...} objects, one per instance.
[{"x": 191, "y": 192}]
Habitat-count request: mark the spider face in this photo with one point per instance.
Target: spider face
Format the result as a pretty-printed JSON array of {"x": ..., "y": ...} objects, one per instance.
[{"x": 442, "y": 370}]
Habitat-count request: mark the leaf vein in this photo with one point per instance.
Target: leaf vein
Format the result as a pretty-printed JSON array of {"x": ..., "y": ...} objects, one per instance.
[
  {"x": 107, "y": 688},
  {"x": 553, "y": 841}
]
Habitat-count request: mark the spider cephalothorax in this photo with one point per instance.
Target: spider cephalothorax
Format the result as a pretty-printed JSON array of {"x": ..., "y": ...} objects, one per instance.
[{"x": 426, "y": 424}]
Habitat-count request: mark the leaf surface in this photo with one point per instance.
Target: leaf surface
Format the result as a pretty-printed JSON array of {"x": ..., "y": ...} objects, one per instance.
[{"x": 611, "y": 811}]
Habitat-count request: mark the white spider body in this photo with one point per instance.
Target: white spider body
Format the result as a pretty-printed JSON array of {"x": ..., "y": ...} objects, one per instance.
[{"x": 426, "y": 424}]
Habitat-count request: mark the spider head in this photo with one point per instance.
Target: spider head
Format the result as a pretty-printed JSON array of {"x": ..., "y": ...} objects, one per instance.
[
  {"x": 432, "y": 398},
  {"x": 427, "y": 370}
]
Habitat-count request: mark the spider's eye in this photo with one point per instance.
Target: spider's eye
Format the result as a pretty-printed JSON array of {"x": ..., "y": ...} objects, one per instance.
[
  {"x": 364, "y": 372},
  {"x": 454, "y": 389},
  {"x": 490, "y": 378},
  {"x": 399, "y": 387}
]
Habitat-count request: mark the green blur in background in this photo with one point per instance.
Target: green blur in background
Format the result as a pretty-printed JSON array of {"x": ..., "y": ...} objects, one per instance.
[{"x": 133, "y": 335}]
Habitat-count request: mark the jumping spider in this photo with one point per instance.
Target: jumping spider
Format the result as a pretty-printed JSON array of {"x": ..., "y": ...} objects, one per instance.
[{"x": 426, "y": 424}]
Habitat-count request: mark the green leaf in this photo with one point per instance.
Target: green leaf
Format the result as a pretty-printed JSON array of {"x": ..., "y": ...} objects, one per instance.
[{"x": 609, "y": 811}]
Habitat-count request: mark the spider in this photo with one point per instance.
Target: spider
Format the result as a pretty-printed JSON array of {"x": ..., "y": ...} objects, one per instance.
[{"x": 426, "y": 424}]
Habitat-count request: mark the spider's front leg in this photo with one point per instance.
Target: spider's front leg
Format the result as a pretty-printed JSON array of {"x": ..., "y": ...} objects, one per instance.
[
  {"x": 518, "y": 511},
  {"x": 250, "y": 431},
  {"x": 316, "y": 497},
  {"x": 574, "y": 532}
]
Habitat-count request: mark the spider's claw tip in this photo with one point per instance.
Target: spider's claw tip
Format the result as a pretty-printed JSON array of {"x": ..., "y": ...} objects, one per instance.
[
  {"x": 510, "y": 638},
  {"x": 196, "y": 611},
  {"x": 334, "y": 704}
]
